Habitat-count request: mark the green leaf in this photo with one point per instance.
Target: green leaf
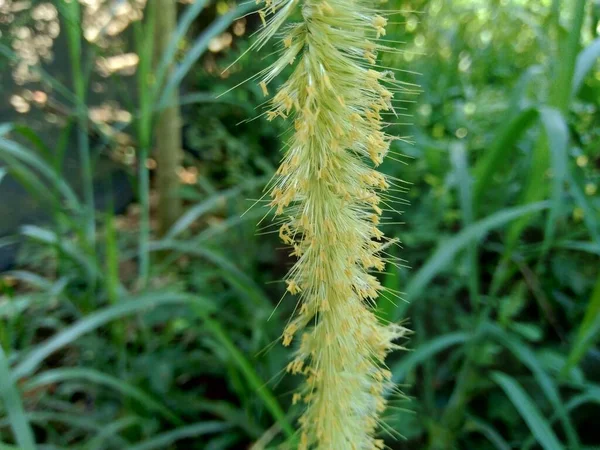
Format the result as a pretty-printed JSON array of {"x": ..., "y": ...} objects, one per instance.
[
  {"x": 94, "y": 376},
  {"x": 19, "y": 152},
  {"x": 13, "y": 406},
  {"x": 165, "y": 440},
  {"x": 496, "y": 154},
  {"x": 209, "y": 204},
  {"x": 489, "y": 432},
  {"x": 538, "y": 425},
  {"x": 448, "y": 250},
  {"x": 166, "y": 60},
  {"x": 530, "y": 360},
  {"x": 586, "y": 61},
  {"x": 588, "y": 333},
  {"x": 110, "y": 430},
  {"x": 425, "y": 352},
  {"x": 558, "y": 138},
  {"x": 199, "y": 47},
  {"x": 99, "y": 318},
  {"x": 255, "y": 382},
  {"x": 458, "y": 158}
]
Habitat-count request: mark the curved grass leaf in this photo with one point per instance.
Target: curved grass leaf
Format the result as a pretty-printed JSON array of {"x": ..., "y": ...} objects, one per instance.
[
  {"x": 94, "y": 376},
  {"x": 558, "y": 137},
  {"x": 23, "y": 154},
  {"x": 587, "y": 247},
  {"x": 448, "y": 250},
  {"x": 13, "y": 406},
  {"x": 489, "y": 432},
  {"x": 251, "y": 377},
  {"x": 109, "y": 430},
  {"x": 97, "y": 319},
  {"x": 524, "y": 354},
  {"x": 538, "y": 425},
  {"x": 199, "y": 47},
  {"x": 425, "y": 352},
  {"x": 585, "y": 63},
  {"x": 506, "y": 139},
  {"x": 588, "y": 332},
  {"x": 183, "y": 25},
  {"x": 211, "y": 203},
  {"x": 165, "y": 440}
]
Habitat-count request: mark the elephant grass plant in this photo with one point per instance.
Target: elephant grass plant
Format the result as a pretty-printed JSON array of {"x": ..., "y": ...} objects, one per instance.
[{"x": 329, "y": 201}]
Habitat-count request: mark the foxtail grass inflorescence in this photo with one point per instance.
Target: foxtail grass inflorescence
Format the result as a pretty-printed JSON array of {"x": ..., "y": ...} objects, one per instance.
[{"x": 329, "y": 200}]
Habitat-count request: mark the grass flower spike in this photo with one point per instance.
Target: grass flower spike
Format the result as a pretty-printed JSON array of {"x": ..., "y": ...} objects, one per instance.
[{"x": 329, "y": 200}]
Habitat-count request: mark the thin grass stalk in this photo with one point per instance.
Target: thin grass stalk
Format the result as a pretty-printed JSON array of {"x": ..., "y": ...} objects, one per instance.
[
  {"x": 72, "y": 15},
  {"x": 328, "y": 200},
  {"x": 145, "y": 43}
]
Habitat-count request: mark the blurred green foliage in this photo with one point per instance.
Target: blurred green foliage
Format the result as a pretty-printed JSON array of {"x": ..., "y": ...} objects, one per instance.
[{"x": 502, "y": 236}]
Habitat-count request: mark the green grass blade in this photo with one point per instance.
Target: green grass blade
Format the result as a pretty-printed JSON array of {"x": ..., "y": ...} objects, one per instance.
[
  {"x": 167, "y": 439},
  {"x": 425, "y": 352},
  {"x": 529, "y": 360},
  {"x": 209, "y": 204},
  {"x": 448, "y": 250},
  {"x": 94, "y": 376},
  {"x": 458, "y": 158},
  {"x": 97, "y": 442},
  {"x": 489, "y": 432},
  {"x": 72, "y": 26},
  {"x": 504, "y": 142},
  {"x": 144, "y": 39},
  {"x": 586, "y": 61},
  {"x": 199, "y": 47},
  {"x": 588, "y": 333},
  {"x": 21, "y": 153},
  {"x": 558, "y": 138},
  {"x": 538, "y": 425},
  {"x": 587, "y": 247},
  {"x": 166, "y": 60},
  {"x": 14, "y": 407},
  {"x": 99, "y": 318},
  {"x": 250, "y": 375},
  {"x": 590, "y": 216}
]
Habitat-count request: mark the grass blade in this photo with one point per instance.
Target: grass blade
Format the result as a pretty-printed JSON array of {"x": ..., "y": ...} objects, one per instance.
[
  {"x": 199, "y": 47},
  {"x": 447, "y": 251},
  {"x": 209, "y": 204},
  {"x": 458, "y": 158},
  {"x": 21, "y": 153},
  {"x": 99, "y": 318},
  {"x": 94, "y": 376},
  {"x": 529, "y": 360},
  {"x": 507, "y": 138},
  {"x": 183, "y": 26},
  {"x": 425, "y": 352},
  {"x": 588, "y": 332},
  {"x": 585, "y": 63},
  {"x": 251, "y": 376},
  {"x": 558, "y": 138},
  {"x": 14, "y": 407},
  {"x": 165, "y": 440},
  {"x": 528, "y": 411}
]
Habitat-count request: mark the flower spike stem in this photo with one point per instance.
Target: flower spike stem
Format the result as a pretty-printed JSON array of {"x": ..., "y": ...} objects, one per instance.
[{"x": 329, "y": 199}]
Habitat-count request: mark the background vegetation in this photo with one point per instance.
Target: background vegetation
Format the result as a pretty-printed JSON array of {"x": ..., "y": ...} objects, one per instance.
[{"x": 127, "y": 324}]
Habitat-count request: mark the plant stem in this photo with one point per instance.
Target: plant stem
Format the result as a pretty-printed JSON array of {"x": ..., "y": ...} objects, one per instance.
[
  {"x": 168, "y": 127},
  {"x": 144, "y": 42}
]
